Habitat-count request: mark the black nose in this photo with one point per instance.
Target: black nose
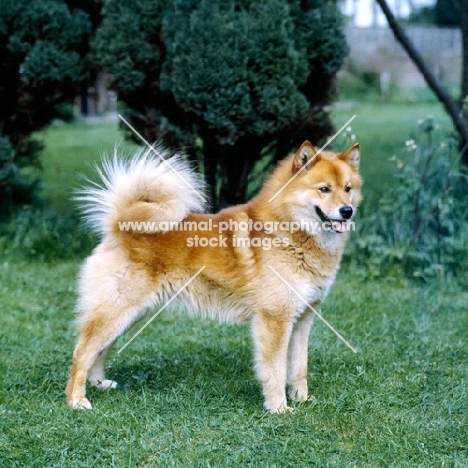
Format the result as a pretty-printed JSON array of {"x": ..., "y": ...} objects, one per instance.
[{"x": 346, "y": 211}]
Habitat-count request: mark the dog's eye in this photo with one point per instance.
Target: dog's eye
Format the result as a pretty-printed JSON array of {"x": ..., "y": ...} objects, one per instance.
[
  {"x": 347, "y": 189},
  {"x": 324, "y": 190}
]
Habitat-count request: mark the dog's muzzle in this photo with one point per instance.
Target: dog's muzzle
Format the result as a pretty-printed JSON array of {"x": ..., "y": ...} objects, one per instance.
[{"x": 337, "y": 225}]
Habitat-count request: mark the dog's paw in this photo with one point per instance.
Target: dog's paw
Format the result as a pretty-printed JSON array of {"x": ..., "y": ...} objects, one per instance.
[
  {"x": 298, "y": 391},
  {"x": 80, "y": 403},
  {"x": 278, "y": 408},
  {"x": 302, "y": 397},
  {"x": 310, "y": 399},
  {"x": 103, "y": 384},
  {"x": 283, "y": 409}
]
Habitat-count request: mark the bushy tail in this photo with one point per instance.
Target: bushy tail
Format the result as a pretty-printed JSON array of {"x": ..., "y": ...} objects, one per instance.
[{"x": 150, "y": 189}]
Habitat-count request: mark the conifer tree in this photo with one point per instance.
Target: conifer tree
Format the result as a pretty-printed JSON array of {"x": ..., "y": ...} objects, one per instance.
[
  {"x": 224, "y": 79},
  {"x": 43, "y": 45}
]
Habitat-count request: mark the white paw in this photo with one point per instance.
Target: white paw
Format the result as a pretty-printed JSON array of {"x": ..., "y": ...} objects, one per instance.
[
  {"x": 103, "y": 384},
  {"x": 81, "y": 403},
  {"x": 283, "y": 409},
  {"x": 301, "y": 397},
  {"x": 298, "y": 395},
  {"x": 298, "y": 390},
  {"x": 278, "y": 408}
]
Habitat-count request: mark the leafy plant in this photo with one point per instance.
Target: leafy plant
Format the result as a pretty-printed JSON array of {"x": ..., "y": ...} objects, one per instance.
[{"x": 421, "y": 222}]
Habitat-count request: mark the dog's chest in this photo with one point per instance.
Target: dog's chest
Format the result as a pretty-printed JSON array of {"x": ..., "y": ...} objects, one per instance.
[
  {"x": 313, "y": 289},
  {"x": 315, "y": 262},
  {"x": 313, "y": 271}
]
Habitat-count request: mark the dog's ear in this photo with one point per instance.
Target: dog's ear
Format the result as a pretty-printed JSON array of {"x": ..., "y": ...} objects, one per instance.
[
  {"x": 302, "y": 157},
  {"x": 352, "y": 156}
]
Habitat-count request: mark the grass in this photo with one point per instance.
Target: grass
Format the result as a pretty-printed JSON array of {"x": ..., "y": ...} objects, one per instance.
[
  {"x": 188, "y": 396},
  {"x": 70, "y": 154}
]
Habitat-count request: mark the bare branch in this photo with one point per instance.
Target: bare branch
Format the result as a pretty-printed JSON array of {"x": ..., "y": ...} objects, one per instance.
[{"x": 451, "y": 106}]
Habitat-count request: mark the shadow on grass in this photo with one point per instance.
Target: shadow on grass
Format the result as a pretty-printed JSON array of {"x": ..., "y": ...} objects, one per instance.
[{"x": 187, "y": 371}]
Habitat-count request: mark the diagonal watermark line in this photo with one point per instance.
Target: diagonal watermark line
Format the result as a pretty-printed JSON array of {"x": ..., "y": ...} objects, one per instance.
[
  {"x": 313, "y": 309},
  {"x": 311, "y": 159},
  {"x": 161, "y": 309},
  {"x": 155, "y": 151}
]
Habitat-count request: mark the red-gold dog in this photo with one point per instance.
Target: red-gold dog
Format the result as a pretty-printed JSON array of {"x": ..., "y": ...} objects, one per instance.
[{"x": 155, "y": 238}]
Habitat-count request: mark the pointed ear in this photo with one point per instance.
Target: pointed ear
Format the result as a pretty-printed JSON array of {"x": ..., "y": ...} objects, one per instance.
[
  {"x": 352, "y": 156},
  {"x": 303, "y": 155}
]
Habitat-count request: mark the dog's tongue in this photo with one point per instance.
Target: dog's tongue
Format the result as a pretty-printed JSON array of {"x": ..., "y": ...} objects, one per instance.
[{"x": 341, "y": 226}]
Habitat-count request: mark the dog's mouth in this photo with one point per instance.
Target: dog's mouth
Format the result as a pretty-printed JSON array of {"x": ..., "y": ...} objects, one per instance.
[{"x": 329, "y": 224}]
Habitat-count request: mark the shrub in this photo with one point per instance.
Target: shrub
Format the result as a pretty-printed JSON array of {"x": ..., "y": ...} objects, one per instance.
[
  {"x": 420, "y": 226},
  {"x": 224, "y": 79},
  {"x": 43, "y": 45}
]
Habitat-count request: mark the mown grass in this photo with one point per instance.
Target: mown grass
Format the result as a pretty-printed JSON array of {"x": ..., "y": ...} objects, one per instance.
[
  {"x": 70, "y": 154},
  {"x": 188, "y": 396}
]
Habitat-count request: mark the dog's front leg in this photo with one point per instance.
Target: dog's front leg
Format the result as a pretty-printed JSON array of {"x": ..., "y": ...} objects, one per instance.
[
  {"x": 297, "y": 357},
  {"x": 271, "y": 334}
]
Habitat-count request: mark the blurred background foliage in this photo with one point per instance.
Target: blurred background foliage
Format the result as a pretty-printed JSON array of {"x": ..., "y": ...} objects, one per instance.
[
  {"x": 237, "y": 85},
  {"x": 44, "y": 49},
  {"x": 224, "y": 80}
]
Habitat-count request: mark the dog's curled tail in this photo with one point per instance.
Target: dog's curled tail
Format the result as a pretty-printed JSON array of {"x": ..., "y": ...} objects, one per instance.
[{"x": 145, "y": 193}]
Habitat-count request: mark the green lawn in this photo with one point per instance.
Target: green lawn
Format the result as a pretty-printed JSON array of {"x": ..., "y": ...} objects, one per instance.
[
  {"x": 70, "y": 154},
  {"x": 188, "y": 396}
]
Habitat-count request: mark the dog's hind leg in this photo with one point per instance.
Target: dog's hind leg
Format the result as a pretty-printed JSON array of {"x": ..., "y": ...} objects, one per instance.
[
  {"x": 297, "y": 357},
  {"x": 271, "y": 338},
  {"x": 98, "y": 333},
  {"x": 96, "y": 375}
]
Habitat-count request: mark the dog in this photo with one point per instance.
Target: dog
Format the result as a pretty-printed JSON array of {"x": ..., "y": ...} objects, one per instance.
[{"x": 254, "y": 263}]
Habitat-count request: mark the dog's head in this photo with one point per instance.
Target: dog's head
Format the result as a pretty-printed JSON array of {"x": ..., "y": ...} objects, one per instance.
[{"x": 326, "y": 186}]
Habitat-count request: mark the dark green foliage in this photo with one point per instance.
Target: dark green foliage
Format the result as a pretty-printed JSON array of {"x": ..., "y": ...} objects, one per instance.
[
  {"x": 238, "y": 71},
  {"x": 421, "y": 223},
  {"x": 42, "y": 50},
  {"x": 8, "y": 169},
  {"x": 424, "y": 15},
  {"x": 443, "y": 13},
  {"x": 446, "y": 12},
  {"x": 127, "y": 44},
  {"x": 224, "y": 79}
]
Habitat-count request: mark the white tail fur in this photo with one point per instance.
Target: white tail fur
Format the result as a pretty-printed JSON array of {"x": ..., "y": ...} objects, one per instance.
[{"x": 162, "y": 188}]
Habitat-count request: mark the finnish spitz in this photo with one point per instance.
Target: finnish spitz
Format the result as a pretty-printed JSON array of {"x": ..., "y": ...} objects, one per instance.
[{"x": 251, "y": 263}]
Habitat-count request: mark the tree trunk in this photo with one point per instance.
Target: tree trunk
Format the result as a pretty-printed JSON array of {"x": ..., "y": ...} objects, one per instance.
[
  {"x": 444, "y": 97},
  {"x": 210, "y": 169},
  {"x": 227, "y": 167},
  {"x": 464, "y": 32},
  {"x": 236, "y": 163}
]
